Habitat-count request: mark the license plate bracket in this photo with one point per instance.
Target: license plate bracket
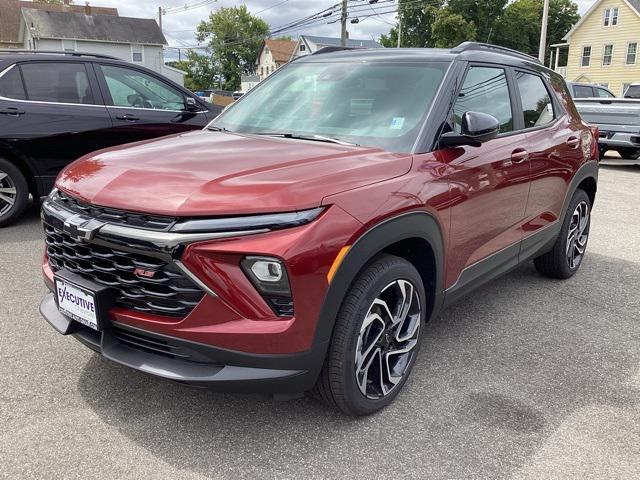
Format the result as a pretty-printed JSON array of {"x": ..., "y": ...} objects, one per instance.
[{"x": 82, "y": 300}]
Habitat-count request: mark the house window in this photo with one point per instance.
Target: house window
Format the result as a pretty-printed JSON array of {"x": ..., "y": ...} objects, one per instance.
[
  {"x": 614, "y": 16},
  {"x": 611, "y": 17},
  {"x": 303, "y": 48},
  {"x": 136, "y": 53},
  {"x": 632, "y": 52},
  {"x": 586, "y": 56},
  {"x": 607, "y": 54}
]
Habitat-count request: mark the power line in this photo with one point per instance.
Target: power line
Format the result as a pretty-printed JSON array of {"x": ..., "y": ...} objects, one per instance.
[{"x": 187, "y": 7}]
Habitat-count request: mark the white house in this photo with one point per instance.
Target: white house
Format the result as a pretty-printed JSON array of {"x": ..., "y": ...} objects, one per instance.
[
  {"x": 87, "y": 29},
  {"x": 273, "y": 54},
  {"x": 308, "y": 44},
  {"x": 137, "y": 40}
]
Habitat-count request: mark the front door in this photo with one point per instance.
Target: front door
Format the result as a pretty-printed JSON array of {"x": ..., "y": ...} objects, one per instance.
[
  {"x": 489, "y": 184},
  {"x": 143, "y": 106}
]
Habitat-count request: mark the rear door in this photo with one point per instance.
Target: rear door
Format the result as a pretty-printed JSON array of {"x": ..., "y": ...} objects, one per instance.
[
  {"x": 489, "y": 183},
  {"x": 554, "y": 148},
  {"x": 143, "y": 106},
  {"x": 52, "y": 113}
]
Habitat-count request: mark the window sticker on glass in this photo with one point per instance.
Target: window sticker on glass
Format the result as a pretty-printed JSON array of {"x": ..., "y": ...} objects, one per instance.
[{"x": 397, "y": 123}]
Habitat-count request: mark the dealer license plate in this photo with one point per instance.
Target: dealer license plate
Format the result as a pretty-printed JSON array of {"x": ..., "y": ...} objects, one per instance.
[{"x": 77, "y": 303}]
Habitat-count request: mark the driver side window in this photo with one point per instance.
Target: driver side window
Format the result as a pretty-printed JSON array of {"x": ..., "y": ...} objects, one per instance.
[
  {"x": 485, "y": 90},
  {"x": 134, "y": 89}
]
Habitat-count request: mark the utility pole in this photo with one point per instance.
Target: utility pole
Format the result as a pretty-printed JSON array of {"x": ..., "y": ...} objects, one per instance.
[
  {"x": 543, "y": 31},
  {"x": 343, "y": 20},
  {"x": 399, "y": 31},
  {"x": 160, "y": 17}
]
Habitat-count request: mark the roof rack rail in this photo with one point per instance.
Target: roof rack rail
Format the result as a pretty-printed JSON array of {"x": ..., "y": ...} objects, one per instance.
[
  {"x": 58, "y": 52},
  {"x": 488, "y": 47},
  {"x": 332, "y": 49}
]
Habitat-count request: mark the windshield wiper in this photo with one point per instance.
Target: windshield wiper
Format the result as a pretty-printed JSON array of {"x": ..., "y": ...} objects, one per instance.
[
  {"x": 316, "y": 138},
  {"x": 217, "y": 129}
]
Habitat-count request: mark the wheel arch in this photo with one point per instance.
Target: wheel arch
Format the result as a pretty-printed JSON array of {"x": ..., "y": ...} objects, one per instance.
[
  {"x": 404, "y": 236},
  {"x": 16, "y": 159},
  {"x": 585, "y": 178}
]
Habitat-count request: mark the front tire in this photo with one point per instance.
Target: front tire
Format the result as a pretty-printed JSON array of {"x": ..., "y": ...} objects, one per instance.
[
  {"x": 566, "y": 256},
  {"x": 376, "y": 338},
  {"x": 14, "y": 193}
]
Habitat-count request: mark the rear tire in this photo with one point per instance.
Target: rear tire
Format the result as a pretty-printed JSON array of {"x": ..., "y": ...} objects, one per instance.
[
  {"x": 374, "y": 347},
  {"x": 566, "y": 256},
  {"x": 14, "y": 193}
]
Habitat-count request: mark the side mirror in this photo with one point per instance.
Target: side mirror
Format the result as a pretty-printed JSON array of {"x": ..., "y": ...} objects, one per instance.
[
  {"x": 476, "y": 128},
  {"x": 190, "y": 105}
]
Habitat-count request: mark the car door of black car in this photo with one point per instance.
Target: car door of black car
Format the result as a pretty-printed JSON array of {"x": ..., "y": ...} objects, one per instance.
[
  {"x": 144, "y": 106},
  {"x": 51, "y": 113}
]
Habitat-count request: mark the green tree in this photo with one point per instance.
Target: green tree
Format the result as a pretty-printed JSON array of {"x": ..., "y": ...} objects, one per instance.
[
  {"x": 450, "y": 29},
  {"x": 234, "y": 37},
  {"x": 416, "y": 18},
  {"x": 482, "y": 13},
  {"x": 519, "y": 25}
]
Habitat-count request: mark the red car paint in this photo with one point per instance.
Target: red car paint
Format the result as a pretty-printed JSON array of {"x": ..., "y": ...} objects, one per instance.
[
  {"x": 461, "y": 187},
  {"x": 483, "y": 198}
]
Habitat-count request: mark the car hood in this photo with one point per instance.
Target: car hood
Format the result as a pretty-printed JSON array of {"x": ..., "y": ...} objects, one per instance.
[{"x": 217, "y": 173}]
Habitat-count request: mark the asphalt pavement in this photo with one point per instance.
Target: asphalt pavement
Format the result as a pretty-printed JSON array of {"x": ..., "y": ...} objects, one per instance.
[{"x": 526, "y": 378}]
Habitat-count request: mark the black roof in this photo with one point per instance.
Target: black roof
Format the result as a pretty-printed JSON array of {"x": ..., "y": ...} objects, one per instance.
[
  {"x": 9, "y": 57},
  {"x": 469, "y": 51}
]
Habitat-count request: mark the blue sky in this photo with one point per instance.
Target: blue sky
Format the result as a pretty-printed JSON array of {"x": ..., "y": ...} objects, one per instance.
[{"x": 179, "y": 27}]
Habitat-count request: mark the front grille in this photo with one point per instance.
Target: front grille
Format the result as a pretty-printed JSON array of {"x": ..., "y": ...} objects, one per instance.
[
  {"x": 145, "y": 343},
  {"x": 169, "y": 292},
  {"x": 111, "y": 215}
]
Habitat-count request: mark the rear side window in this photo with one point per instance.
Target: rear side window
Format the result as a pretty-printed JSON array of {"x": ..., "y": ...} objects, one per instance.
[
  {"x": 537, "y": 106},
  {"x": 57, "y": 82},
  {"x": 582, "y": 91},
  {"x": 485, "y": 90},
  {"x": 11, "y": 85}
]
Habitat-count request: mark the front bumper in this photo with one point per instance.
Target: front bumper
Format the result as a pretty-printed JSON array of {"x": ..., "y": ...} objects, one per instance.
[{"x": 193, "y": 363}]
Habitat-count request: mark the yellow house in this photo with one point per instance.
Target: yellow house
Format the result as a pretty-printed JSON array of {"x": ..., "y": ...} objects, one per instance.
[{"x": 604, "y": 46}]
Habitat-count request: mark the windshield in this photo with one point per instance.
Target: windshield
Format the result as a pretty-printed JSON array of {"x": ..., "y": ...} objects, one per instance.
[{"x": 370, "y": 104}]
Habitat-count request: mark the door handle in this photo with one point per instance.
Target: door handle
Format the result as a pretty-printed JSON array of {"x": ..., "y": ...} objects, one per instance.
[
  {"x": 12, "y": 111},
  {"x": 128, "y": 117},
  {"x": 519, "y": 155},
  {"x": 573, "y": 142}
]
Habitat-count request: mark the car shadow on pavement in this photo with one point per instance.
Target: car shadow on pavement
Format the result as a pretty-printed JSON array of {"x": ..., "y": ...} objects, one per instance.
[
  {"x": 27, "y": 227},
  {"x": 498, "y": 373}
]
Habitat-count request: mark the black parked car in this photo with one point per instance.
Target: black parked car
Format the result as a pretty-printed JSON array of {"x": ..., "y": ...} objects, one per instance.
[{"x": 56, "y": 106}]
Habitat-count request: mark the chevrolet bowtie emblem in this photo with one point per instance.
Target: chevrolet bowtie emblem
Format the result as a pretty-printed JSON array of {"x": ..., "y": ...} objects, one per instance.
[{"x": 82, "y": 228}]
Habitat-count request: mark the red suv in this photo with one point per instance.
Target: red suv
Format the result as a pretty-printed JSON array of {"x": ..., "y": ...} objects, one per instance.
[{"x": 303, "y": 239}]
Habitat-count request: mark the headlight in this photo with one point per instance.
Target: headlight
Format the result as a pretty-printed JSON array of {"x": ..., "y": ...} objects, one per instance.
[
  {"x": 270, "y": 278},
  {"x": 272, "y": 221}
]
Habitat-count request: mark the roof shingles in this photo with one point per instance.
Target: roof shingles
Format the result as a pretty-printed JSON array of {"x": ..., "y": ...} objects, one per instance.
[
  {"x": 10, "y": 15},
  {"x": 107, "y": 28}
]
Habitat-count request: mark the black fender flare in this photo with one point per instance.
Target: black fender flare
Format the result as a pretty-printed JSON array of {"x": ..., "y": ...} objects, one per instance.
[
  {"x": 416, "y": 224},
  {"x": 587, "y": 170}
]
